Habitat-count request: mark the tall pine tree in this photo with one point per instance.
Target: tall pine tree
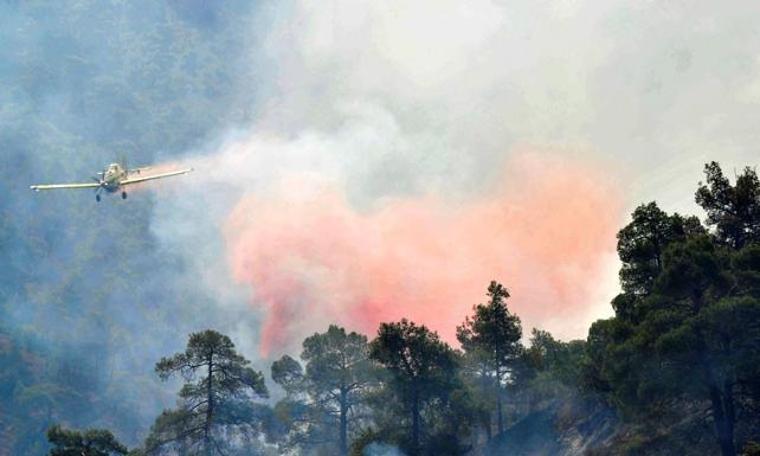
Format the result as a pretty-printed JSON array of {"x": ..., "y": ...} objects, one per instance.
[
  {"x": 216, "y": 400},
  {"x": 491, "y": 338}
]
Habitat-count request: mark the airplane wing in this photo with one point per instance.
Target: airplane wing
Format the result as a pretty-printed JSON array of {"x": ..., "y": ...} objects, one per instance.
[
  {"x": 139, "y": 170},
  {"x": 37, "y": 188},
  {"x": 135, "y": 180}
]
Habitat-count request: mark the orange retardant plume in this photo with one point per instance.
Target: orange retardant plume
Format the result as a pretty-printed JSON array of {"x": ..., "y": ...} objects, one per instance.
[{"x": 313, "y": 259}]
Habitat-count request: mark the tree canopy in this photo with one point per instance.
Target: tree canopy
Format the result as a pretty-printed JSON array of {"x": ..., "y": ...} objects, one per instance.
[
  {"x": 642, "y": 243},
  {"x": 734, "y": 210},
  {"x": 676, "y": 370},
  {"x": 686, "y": 330},
  {"x": 92, "y": 442},
  {"x": 491, "y": 339},
  {"x": 325, "y": 401},
  {"x": 420, "y": 366},
  {"x": 215, "y": 401}
]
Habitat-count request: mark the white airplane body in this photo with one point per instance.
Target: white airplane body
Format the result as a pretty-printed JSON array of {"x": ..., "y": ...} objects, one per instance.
[{"x": 115, "y": 178}]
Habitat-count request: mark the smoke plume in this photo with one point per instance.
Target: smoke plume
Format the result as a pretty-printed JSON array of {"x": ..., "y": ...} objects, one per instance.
[{"x": 311, "y": 258}]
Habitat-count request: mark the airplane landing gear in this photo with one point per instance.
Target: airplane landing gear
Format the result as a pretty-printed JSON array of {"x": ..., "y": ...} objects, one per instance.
[{"x": 123, "y": 195}]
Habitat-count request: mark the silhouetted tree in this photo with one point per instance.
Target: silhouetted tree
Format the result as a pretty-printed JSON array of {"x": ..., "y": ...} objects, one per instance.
[
  {"x": 641, "y": 246},
  {"x": 696, "y": 338},
  {"x": 642, "y": 242},
  {"x": 421, "y": 366},
  {"x": 217, "y": 396},
  {"x": 692, "y": 296},
  {"x": 562, "y": 360},
  {"x": 91, "y": 442},
  {"x": 338, "y": 373},
  {"x": 330, "y": 393},
  {"x": 734, "y": 210},
  {"x": 686, "y": 328},
  {"x": 491, "y": 338}
]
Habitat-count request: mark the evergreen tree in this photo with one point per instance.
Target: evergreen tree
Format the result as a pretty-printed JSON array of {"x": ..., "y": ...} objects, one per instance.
[
  {"x": 216, "y": 399},
  {"x": 702, "y": 331},
  {"x": 694, "y": 338},
  {"x": 91, "y": 442},
  {"x": 562, "y": 360},
  {"x": 325, "y": 401},
  {"x": 642, "y": 242},
  {"x": 422, "y": 369},
  {"x": 734, "y": 210},
  {"x": 338, "y": 374},
  {"x": 491, "y": 339},
  {"x": 686, "y": 330},
  {"x": 288, "y": 373}
]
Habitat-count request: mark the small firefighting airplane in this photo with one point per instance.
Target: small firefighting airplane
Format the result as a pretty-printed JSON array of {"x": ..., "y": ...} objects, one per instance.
[{"x": 113, "y": 179}]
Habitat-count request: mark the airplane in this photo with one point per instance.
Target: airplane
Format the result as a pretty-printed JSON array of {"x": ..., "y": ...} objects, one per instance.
[{"x": 113, "y": 179}]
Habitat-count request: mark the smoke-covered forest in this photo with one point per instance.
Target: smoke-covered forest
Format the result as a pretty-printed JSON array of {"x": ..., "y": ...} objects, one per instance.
[
  {"x": 350, "y": 270},
  {"x": 89, "y": 296},
  {"x": 675, "y": 371}
]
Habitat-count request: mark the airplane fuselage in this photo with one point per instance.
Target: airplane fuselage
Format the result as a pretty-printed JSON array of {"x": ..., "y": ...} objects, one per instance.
[
  {"x": 115, "y": 178},
  {"x": 112, "y": 177}
]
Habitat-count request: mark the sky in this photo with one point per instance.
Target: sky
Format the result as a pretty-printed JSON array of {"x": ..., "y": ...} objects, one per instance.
[
  {"x": 407, "y": 153},
  {"x": 356, "y": 162}
]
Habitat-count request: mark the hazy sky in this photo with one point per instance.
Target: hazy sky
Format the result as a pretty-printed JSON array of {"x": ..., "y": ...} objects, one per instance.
[
  {"x": 356, "y": 161},
  {"x": 404, "y": 153},
  {"x": 363, "y": 160}
]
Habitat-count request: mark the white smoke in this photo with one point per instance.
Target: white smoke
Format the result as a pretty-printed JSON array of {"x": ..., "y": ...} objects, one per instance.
[{"x": 402, "y": 98}]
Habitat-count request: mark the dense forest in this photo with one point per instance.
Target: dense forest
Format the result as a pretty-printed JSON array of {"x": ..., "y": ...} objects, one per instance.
[
  {"x": 110, "y": 343},
  {"x": 675, "y": 371}
]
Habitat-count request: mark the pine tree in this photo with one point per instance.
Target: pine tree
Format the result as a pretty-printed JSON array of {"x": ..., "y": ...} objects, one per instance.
[
  {"x": 491, "y": 337},
  {"x": 216, "y": 398}
]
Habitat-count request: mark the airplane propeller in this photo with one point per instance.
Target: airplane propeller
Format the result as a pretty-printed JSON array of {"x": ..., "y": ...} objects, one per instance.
[{"x": 113, "y": 178}]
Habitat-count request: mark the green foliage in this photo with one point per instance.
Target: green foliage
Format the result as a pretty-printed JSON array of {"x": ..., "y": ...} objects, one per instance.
[
  {"x": 491, "y": 342},
  {"x": 680, "y": 357},
  {"x": 734, "y": 210},
  {"x": 216, "y": 401},
  {"x": 492, "y": 328},
  {"x": 325, "y": 403},
  {"x": 339, "y": 374},
  {"x": 642, "y": 243},
  {"x": 91, "y": 442},
  {"x": 288, "y": 373},
  {"x": 686, "y": 330},
  {"x": 560, "y": 361},
  {"x": 422, "y": 371}
]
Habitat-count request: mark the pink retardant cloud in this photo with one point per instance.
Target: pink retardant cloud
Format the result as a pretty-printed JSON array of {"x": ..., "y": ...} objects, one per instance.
[{"x": 313, "y": 259}]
